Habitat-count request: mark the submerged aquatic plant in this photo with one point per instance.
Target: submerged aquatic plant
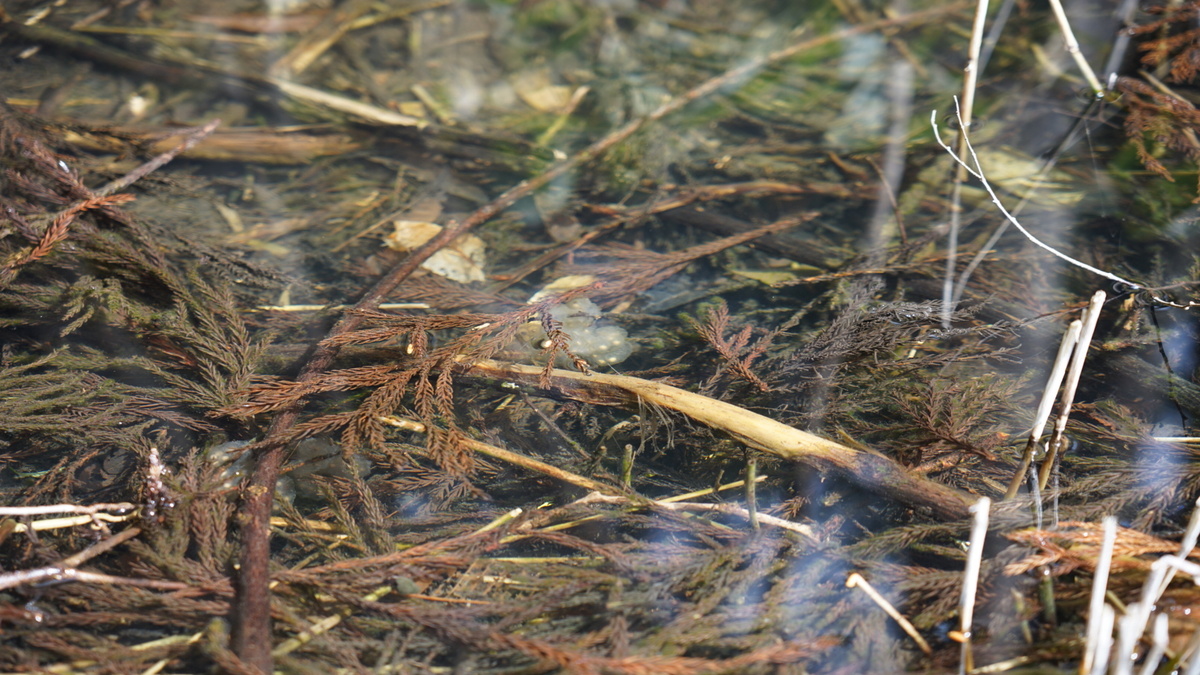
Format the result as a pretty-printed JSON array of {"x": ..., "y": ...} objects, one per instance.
[{"x": 498, "y": 515}]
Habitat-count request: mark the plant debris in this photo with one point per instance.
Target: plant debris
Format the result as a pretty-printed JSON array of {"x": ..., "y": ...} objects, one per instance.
[{"x": 581, "y": 337}]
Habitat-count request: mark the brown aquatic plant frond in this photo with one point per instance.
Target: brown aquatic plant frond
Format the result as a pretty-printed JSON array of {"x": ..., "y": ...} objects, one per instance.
[
  {"x": 866, "y": 329},
  {"x": 1076, "y": 545},
  {"x": 365, "y": 429},
  {"x": 586, "y": 664},
  {"x": 558, "y": 342},
  {"x": 57, "y": 231},
  {"x": 385, "y": 326},
  {"x": 739, "y": 353},
  {"x": 424, "y": 381},
  {"x": 280, "y": 394},
  {"x": 628, "y": 271},
  {"x": 462, "y": 627},
  {"x": 1170, "y": 42},
  {"x": 444, "y": 295},
  {"x": 959, "y": 415},
  {"x": 1174, "y": 41},
  {"x": 1164, "y": 118}
]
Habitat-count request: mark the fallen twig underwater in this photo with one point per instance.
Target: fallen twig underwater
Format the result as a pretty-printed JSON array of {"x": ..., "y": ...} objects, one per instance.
[{"x": 872, "y": 471}]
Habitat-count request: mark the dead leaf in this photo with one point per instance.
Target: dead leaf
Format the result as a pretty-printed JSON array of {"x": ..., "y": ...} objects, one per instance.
[{"x": 461, "y": 260}]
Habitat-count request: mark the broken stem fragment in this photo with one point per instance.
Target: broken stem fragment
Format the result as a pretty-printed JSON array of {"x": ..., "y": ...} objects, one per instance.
[{"x": 872, "y": 471}]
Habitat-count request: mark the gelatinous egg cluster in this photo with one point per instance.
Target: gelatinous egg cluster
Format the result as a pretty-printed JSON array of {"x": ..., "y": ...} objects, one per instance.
[{"x": 600, "y": 342}]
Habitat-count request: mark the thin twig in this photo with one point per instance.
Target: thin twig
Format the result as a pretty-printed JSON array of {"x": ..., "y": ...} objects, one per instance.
[
  {"x": 60, "y": 574},
  {"x": 856, "y": 580},
  {"x": 102, "y": 546},
  {"x": 692, "y": 507},
  {"x": 334, "y": 308},
  {"x": 978, "y": 173},
  {"x": 65, "y": 569},
  {"x": 192, "y": 137}
]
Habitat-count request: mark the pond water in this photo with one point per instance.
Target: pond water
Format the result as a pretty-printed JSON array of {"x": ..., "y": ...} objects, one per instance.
[{"x": 600, "y": 337}]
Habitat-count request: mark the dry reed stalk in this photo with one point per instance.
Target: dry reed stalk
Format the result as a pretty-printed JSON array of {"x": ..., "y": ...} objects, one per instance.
[
  {"x": 1049, "y": 396},
  {"x": 1108, "y": 619},
  {"x": 1186, "y": 544},
  {"x": 1090, "y": 316},
  {"x": 1159, "y": 638},
  {"x": 71, "y": 521},
  {"x": 1072, "y": 46},
  {"x": 1138, "y": 614},
  {"x": 752, "y": 490},
  {"x": 1192, "y": 648},
  {"x": 24, "y": 511},
  {"x": 970, "y": 585},
  {"x": 872, "y": 471},
  {"x": 1099, "y": 588},
  {"x": 968, "y": 106}
]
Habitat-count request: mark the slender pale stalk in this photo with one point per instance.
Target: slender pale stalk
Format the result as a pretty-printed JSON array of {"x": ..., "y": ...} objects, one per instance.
[
  {"x": 970, "y": 586},
  {"x": 1073, "y": 48},
  {"x": 856, "y": 580},
  {"x": 1090, "y": 316},
  {"x": 1127, "y": 640},
  {"x": 1138, "y": 614},
  {"x": 1159, "y": 638},
  {"x": 1049, "y": 395},
  {"x": 1190, "y": 653},
  {"x": 1190, "y": 536},
  {"x": 26, "y": 511},
  {"x": 1103, "y": 648},
  {"x": 970, "y": 79},
  {"x": 752, "y": 489},
  {"x": 1096, "y": 603}
]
